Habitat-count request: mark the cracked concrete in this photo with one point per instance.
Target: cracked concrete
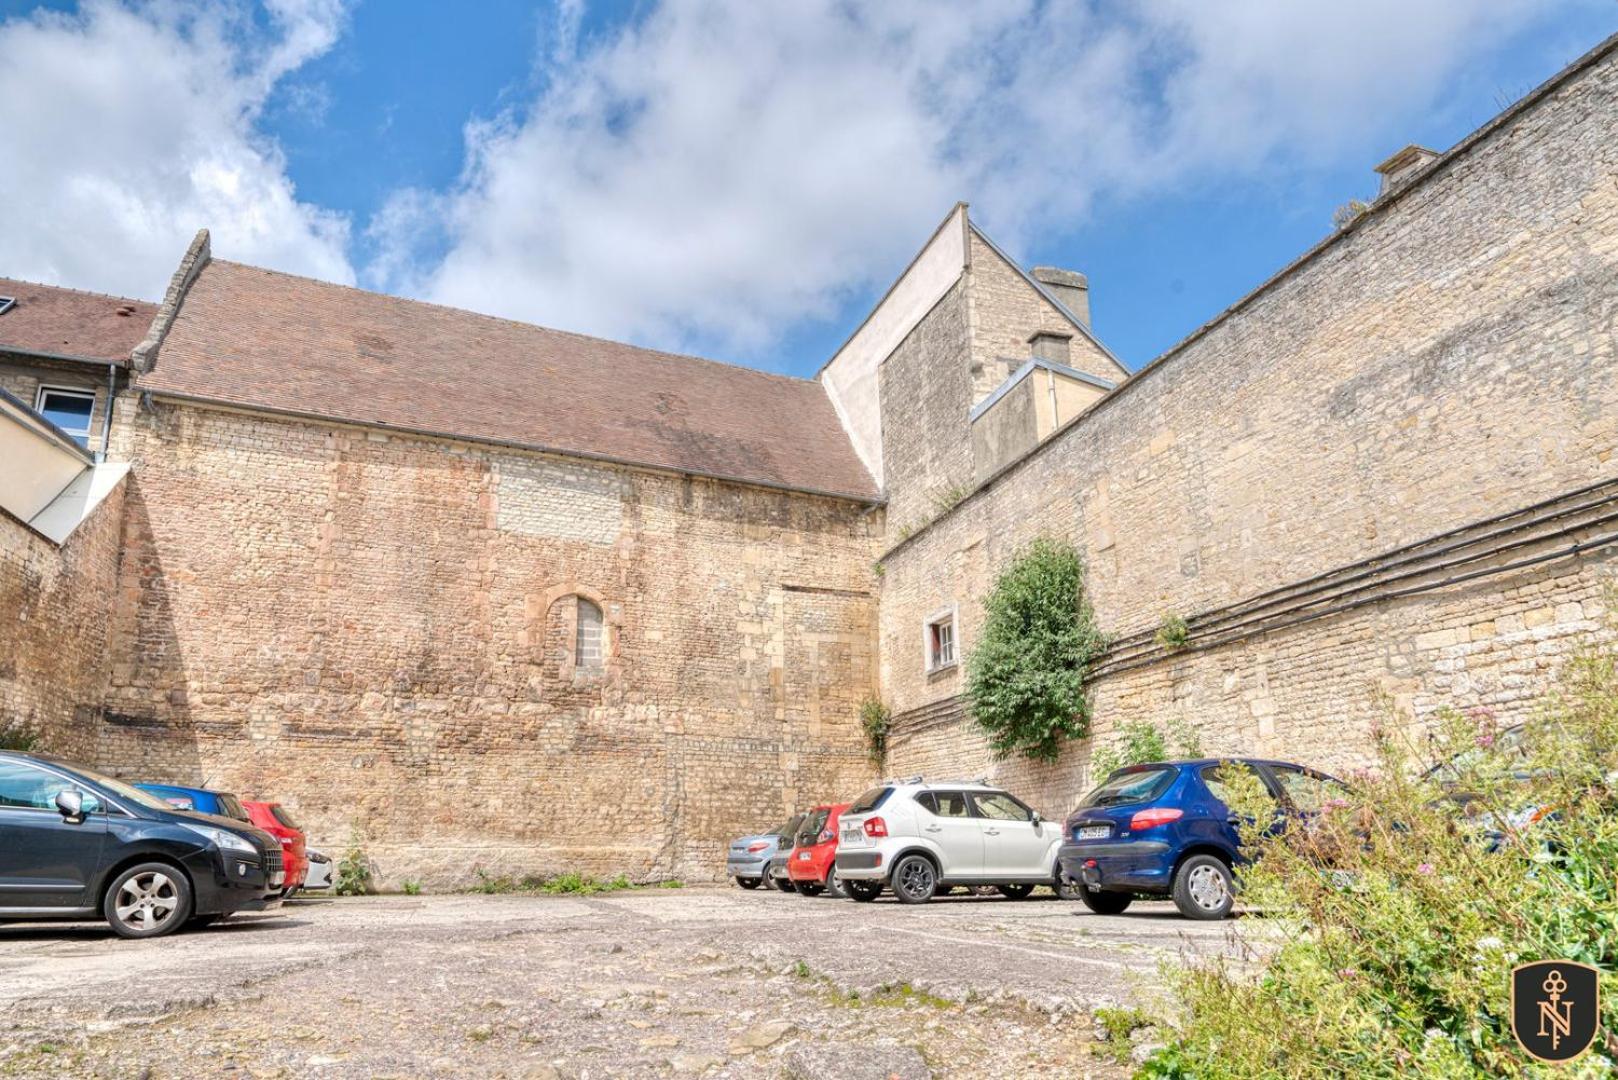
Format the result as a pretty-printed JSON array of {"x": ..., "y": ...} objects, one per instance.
[{"x": 693, "y": 982}]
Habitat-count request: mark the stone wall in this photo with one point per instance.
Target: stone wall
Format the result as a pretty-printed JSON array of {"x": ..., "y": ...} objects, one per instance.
[
  {"x": 1448, "y": 358},
  {"x": 378, "y": 630},
  {"x": 57, "y": 602}
]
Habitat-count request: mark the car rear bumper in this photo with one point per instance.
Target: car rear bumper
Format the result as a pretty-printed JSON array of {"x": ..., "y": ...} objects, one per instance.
[
  {"x": 860, "y": 865},
  {"x": 1135, "y": 865},
  {"x": 748, "y": 868}
]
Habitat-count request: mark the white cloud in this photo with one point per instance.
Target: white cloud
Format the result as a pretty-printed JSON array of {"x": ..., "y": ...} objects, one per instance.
[
  {"x": 716, "y": 171},
  {"x": 127, "y": 127}
]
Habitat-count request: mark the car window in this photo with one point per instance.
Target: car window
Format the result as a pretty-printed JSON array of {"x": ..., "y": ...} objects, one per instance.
[
  {"x": 870, "y": 800},
  {"x": 1309, "y": 792},
  {"x": 944, "y": 803},
  {"x": 1001, "y": 807},
  {"x": 1218, "y": 779},
  {"x": 790, "y": 829},
  {"x": 25, "y": 785},
  {"x": 284, "y": 816},
  {"x": 1134, "y": 786},
  {"x": 230, "y": 806},
  {"x": 812, "y": 825}
]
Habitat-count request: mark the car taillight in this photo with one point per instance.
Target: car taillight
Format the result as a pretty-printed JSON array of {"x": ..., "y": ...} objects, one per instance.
[
  {"x": 760, "y": 846},
  {"x": 876, "y": 827},
  {"x": 1150, "y": 819}
]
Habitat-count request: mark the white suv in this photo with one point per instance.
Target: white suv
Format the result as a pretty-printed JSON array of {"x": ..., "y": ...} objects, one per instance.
[{"x": 918, "y": 838}]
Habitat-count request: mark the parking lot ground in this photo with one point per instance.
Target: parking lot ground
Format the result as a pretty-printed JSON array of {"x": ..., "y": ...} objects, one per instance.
[{"x": 658, "y": 982}]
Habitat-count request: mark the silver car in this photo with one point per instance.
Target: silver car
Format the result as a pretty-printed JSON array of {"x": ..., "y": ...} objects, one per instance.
[{"x": 749, "y": 858}]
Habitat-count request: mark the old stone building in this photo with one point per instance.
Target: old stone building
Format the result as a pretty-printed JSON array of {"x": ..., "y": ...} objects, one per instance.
[{"x": 510, "y": 598}]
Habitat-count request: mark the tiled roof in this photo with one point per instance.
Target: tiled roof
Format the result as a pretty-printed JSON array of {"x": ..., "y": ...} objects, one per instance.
[
  {"x": 66, "y": 322},
  {"x": 263, "y": 339}
]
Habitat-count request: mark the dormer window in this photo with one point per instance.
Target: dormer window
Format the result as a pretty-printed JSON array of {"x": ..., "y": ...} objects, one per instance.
[{"x": 6, "y": 302}]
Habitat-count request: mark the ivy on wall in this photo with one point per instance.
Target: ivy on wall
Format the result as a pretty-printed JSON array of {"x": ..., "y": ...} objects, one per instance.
[{"x": 1025, "y": 677}]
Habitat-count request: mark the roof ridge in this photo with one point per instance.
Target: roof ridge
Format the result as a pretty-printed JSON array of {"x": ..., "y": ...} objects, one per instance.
[
  {"x": 80, "y": 292},
  {"x": 518, "y": 322}
]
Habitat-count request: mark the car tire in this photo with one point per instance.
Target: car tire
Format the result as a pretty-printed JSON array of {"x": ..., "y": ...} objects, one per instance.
[
  {"x": 834, "y": 885},
  {"x": 914, "y": 880},
  {"x": 748, "y": 882},
  {"x": 785, "y": 884},
  {"x": 1015, "y": 892},
  {"x": 809, "y": 888},
  {"x": 1105, "y": 903},
  {"x": 147, "y": 900},
  {"x": 864, "y": 891},
  {"x": 1066, "y": 888},
  {"x": 1203, "y": 888}
]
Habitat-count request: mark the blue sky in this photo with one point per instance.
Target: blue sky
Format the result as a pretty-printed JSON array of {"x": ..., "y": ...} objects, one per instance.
[{"x": 737, "y": 180}]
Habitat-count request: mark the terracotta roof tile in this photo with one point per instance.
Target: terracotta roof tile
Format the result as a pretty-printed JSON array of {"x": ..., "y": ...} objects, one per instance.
[
  {"x": 260, "y": 338},
  {"x": 67, "y": 322}
]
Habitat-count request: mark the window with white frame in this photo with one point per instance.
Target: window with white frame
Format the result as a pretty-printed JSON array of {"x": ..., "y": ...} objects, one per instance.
[
  {"x": 589, "y": 636},
  {"x": 939, "y": 640},
  {"x": 68, "y": 409}
]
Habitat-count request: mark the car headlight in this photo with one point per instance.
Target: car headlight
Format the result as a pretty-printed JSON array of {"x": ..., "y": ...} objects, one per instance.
[{"x": 224, "y": 839}]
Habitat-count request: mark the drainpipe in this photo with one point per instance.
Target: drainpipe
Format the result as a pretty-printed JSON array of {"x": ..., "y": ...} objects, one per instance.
[{"x": 106, "y": 413}]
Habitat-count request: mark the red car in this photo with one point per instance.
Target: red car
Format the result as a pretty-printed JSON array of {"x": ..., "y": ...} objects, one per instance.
[
  {"x": 275, "y": 819},
  {"x": 813, "y": 864}
]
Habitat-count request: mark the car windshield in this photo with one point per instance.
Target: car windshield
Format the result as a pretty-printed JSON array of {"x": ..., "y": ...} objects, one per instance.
[
  {"x": 870, "y": 800},
  {"x": 231, "y": 807},
  {"x": 125, "y": 791},
  {"x": 813, "y": 823},
  {"x": 1134, "y": 786},
  {"x": 1450, "y": 772},
  {"x": 284, "y": 816},
  {"x": 790, "y": 829}
]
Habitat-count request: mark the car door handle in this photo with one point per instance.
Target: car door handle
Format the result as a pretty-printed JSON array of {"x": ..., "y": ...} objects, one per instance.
[
  {"x": 934, "y": 828},
  {"x": 991, "y": 832}
]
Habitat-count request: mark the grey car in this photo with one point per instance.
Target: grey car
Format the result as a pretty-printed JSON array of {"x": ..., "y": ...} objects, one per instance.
[
  {"x": 777, "y": 873},
  {"x": 748, "y": 860}
]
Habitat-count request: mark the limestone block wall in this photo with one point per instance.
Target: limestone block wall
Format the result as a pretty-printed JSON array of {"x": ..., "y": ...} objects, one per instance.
[
  {"x": 56, "y": 604},
  {"x": 1447, "y": 359},
  {"x": 378, "y": 630}
]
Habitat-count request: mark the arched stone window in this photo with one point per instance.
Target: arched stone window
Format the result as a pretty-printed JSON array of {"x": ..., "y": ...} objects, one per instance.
[{"x": 589, "y": 637}]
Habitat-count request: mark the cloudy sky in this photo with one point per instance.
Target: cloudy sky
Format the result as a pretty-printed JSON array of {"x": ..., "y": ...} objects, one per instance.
[{"x": 738, "y": 179}]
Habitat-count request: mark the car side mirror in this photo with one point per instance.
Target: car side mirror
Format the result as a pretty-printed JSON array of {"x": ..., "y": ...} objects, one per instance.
[
  {"x": 1037, "y": 820},
  {"x": 70, "y": 804}
]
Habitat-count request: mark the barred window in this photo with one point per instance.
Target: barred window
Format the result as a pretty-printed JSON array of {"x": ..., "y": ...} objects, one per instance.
[{"x": 587, "y": 642}]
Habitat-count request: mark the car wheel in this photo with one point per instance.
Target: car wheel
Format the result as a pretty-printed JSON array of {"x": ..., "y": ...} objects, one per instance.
[
  {"x": 809, "y": 888},
  {"x": 1016, "y": 892},
  {"x": 1066, "y": 888},
  {"x": 834, "y": 885},
  {"x": 1105, "y": 903},
  {"x": 147, "y": 901},
  {"x": 914, "y": 880},
  {"x": 784, "y": 884},
  {"x": 1203, "y": 888},
  {"x": 864, "y": 891},
  {"x": 748, "y": 882}
]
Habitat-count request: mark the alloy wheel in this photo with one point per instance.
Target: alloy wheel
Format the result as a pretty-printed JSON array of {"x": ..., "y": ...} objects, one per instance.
[
  {"x": 915, "y": 878},
  {"x": 147, "y": 900}
]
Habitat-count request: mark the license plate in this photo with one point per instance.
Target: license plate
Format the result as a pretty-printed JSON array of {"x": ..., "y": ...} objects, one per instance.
[
  {"x": 804, "y": 855},
  {"x": 853, "y": 836},
  {"x": 1095, "y": 832}
]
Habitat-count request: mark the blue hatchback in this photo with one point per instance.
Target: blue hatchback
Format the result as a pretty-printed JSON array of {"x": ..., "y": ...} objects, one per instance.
[
  {"x": 1163, "y": 829},
  {"x": 202, "y": 800}
]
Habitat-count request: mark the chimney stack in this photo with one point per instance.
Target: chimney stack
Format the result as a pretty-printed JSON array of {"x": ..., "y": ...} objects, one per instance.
[
  {"x": 1403, "y": 166},
  {"x": 1052, "y": 346},
  {"x": 1068, "y": 286}
]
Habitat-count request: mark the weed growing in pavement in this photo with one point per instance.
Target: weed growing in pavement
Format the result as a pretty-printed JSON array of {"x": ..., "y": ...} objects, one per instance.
[
  {"x": 354, "y": 874},
  {"x": 412, "y": 888},
  {"x": 801, "y": 970},
  {"x": 1119, "y": 1026},
  {"x": 1407, "y": 904},
  {"x": 571, "y": 883}
]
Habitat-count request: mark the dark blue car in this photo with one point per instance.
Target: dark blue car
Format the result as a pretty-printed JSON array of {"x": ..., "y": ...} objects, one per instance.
[
  {"x": 1163, "y": 829},
  {"x": 202, "y": 800}
]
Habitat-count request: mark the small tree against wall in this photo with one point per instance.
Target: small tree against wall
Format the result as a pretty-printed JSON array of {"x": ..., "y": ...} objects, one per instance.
[{"x": 1025, "y": 677}]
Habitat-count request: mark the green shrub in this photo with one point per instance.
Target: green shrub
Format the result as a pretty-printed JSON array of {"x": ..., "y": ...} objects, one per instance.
[
  {"x": 412, "y": 888},
  {"x": 354, "y": 874},
  {"x": 1173, "y": 633},
  {"x": 570, "y": 883},
  {"x": 1391, "y": 925},
  {"x": 14, "y": 736},
  {"x": 1025, "y": 677},
  {"x": 1141, "y": 741},
  {"x": 875, "y": 721}
]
